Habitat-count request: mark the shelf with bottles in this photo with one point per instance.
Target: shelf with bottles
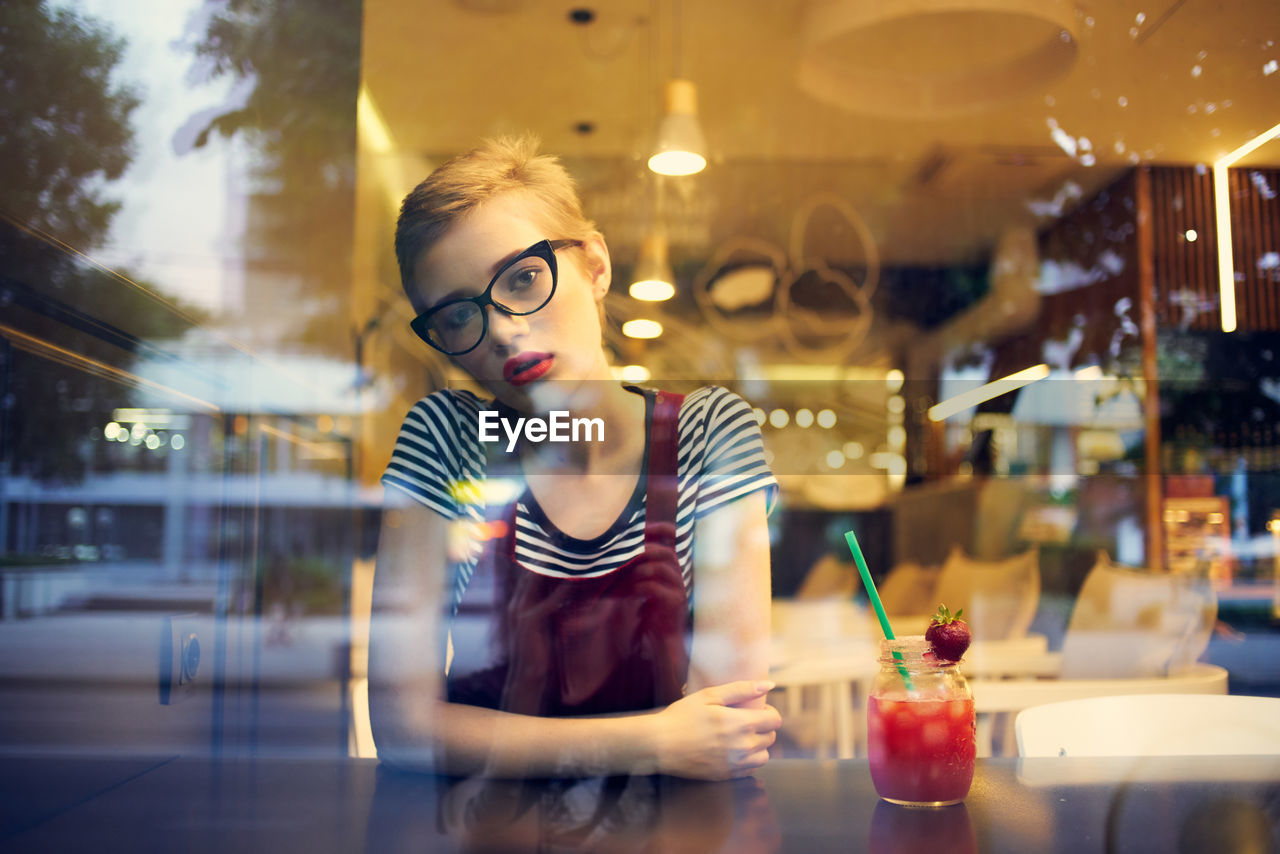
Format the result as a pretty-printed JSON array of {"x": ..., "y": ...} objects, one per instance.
[{"x": 1198, "y": 536}]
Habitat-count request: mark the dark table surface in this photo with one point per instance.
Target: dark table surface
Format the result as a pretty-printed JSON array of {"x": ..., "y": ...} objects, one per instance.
[{"x": 1217, "y": 804}]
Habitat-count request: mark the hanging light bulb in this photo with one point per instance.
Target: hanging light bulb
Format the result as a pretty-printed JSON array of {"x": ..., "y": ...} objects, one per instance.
[
  {"x": 681, "y": 148},
  {"x": 654, "y": 281},
  {"x": 642, "y": 328}
]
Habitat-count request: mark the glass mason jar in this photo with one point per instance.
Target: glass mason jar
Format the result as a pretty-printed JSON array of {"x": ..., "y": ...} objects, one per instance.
[{"x": 920, "y": 727}]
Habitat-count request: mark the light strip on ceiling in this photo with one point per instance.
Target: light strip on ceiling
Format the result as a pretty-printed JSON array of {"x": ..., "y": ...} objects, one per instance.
[
  {"x": 981, "y": 394},
  {"x": 375, "y": 139},
  {"x": 1222, "y": 217}
]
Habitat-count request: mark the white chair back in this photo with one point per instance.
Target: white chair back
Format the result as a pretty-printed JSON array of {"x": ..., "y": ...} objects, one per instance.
[
  {"x": 817, "y": 622},
  {"x": 999, "y": 598},
  {"x": 1133, "y": 623},
  {"x": 1151, "y": 725}
]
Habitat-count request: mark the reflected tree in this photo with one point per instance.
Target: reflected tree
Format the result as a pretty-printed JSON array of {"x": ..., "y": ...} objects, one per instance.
[
  {"x": 302, "y": 58},
  {"x": 71, "y": 331},
  {"x": 64, "y": 125}
]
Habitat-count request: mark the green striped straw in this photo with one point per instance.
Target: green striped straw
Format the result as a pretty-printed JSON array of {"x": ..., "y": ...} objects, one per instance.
[{"x": 861, "y": 561}]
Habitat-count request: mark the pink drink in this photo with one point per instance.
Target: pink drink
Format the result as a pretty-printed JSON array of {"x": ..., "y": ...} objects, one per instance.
[{"x": 921, "y": 750}]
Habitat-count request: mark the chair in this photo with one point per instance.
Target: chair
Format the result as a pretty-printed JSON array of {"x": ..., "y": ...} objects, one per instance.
[
  {"x": 822, "y": 647},
  {"x": 1151, "y": 725},
  {"x": 829, "y": 578},
  {"x": 999, "y": 598},
  {"x": 1129, "y": 622},
  {"x": 1131, "y": 632},
  {"x": 908, "y": 590}
]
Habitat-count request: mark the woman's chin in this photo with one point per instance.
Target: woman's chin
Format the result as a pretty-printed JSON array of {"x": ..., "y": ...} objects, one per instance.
[{"x": 556, "y": 392}]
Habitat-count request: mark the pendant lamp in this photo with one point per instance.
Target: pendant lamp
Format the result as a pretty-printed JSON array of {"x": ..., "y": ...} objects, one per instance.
[
  {"x": 681, "y": 148},
  {"x": 653, "y": 280}
]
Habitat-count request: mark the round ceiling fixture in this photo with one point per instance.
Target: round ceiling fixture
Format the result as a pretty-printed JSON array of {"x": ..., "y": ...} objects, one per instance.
[{"x": 928, "y": 58}]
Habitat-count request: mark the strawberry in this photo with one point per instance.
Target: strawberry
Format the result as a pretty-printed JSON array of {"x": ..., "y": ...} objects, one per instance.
[{"x": 948, "y": 634}]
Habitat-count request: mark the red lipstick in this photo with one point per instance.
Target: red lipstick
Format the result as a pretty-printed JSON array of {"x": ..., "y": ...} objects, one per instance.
[{"x": 526, "y": 367}]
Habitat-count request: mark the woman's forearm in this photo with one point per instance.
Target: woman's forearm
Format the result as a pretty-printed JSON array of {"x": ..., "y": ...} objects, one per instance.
[
  {"x": 712, "y": 734},
  {"x": 452, "y": 738}
]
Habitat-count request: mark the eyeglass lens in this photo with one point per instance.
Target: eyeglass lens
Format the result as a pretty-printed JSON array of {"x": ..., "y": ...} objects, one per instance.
[{"x": 522, "y": 288}]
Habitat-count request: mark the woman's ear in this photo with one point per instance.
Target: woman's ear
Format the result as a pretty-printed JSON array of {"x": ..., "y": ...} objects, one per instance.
[{"x": 599, "y": 268}]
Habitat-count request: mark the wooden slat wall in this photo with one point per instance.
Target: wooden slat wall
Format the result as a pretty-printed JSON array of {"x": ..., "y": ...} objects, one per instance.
[
  {"x": 1104, "y": 227},
  {"x": 1186, "y": 272},
  {"x": 1185, "y": 278},
  {"x": 1255, "y": 223}
]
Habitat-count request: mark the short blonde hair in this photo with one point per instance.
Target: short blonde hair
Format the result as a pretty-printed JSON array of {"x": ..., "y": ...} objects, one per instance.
[{"x": 495, "y": 167}]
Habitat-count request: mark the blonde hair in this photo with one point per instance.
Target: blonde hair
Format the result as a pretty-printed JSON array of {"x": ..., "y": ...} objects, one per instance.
[{"x": 496, "y": 166}]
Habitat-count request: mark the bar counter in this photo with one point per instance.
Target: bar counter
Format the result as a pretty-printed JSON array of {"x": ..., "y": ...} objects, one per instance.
[{"x": 1223, "y": 804}]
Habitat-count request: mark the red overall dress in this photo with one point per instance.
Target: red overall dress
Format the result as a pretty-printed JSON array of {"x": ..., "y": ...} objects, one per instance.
[{"x": 584, "y": 645}]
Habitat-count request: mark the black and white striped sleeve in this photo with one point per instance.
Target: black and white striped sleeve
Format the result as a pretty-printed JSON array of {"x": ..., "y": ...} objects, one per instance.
[
  {"x": 733, "y": 463},
  {"x": 429, "y": 460}
]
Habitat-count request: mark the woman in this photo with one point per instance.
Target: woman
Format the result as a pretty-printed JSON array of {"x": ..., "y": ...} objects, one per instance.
[{"x": 550, "y": 636}]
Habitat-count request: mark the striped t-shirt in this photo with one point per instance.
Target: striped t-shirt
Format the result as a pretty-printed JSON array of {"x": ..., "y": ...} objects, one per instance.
[{"x": 440, "y": 461}]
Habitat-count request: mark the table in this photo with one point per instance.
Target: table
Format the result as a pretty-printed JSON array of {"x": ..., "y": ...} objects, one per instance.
[{"x": 277, "y": 805}]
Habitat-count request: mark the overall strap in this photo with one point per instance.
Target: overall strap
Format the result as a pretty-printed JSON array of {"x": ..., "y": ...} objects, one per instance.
[{"x": 662, "y": 477}]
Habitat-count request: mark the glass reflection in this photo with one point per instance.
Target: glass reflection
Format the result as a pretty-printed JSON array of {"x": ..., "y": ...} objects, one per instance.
[
  {"x": 610, "y": 814},
  {"x": 167, "y": 486},
  {"x": 205, "y": 356},
  {"x": 904, "y": 830}
]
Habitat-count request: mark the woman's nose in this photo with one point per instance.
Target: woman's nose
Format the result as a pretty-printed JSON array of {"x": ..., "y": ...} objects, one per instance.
[{"x": 505, "y": 330}]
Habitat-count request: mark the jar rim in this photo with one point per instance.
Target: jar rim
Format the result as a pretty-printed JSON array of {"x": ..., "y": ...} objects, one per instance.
[{"x": 911, "y": 651}]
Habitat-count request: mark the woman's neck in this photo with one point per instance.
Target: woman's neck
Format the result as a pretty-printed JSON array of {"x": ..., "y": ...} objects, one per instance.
[{"x": 606, "y": 433}]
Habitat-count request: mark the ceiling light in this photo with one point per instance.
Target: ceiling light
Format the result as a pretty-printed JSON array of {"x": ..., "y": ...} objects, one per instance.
[
  {"x": 925, "y": 58},
  {"x": 642, "y": 328},
  {"x": 1222, "y": 217},
  {"x": 632, "y": 374},
  {"x": 681, "y": 148},
  {"x": 652, "y": 290},
  {"x": 654, "y": 281},
  {"x": 969, "y": 399}
]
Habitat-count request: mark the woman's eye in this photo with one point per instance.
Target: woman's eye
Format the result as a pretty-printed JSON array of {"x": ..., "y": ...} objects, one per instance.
[
  {"x": 458, "y": 316},
  {"x": 521, "y": 279}
]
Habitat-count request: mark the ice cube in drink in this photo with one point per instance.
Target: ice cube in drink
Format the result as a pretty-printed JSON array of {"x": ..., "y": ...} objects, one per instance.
[{"x": 921, "y": 749}]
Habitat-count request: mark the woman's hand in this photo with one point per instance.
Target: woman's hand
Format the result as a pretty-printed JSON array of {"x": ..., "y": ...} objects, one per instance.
[{"x": 707, "y": 737}]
